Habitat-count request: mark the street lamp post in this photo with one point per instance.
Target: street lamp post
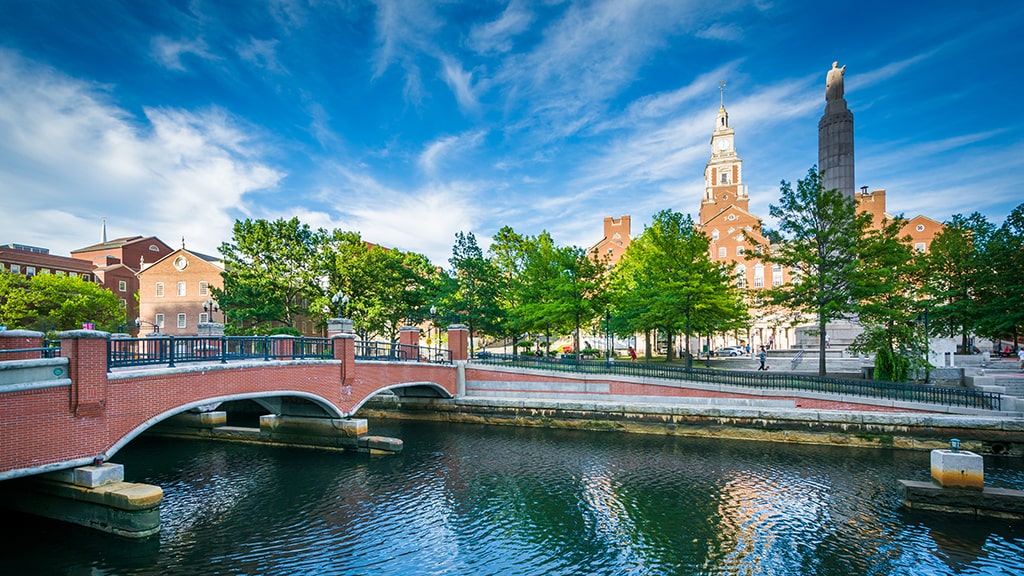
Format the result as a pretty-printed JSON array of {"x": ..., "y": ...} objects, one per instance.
[
  {"x": 340, "y": 300},
  {"x": 139, "y": 322},
  {"x": 433, "y": 313},
  {"x": 210, "y": 306}
]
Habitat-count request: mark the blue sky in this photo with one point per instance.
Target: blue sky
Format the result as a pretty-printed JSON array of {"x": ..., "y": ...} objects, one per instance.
[{"x": 409, "y": 121}]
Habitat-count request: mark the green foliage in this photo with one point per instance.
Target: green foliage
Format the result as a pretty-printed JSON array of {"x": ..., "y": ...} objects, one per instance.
[
  {"x": 956, "y": 266},
  {"x": 887, "y": 288},
  {"x": 284, "y": 330},
  {"x": 817, "y": 240},
  {"x": 891, "y": 366},
  {"x": 667, "y": 281},
  {"x": 270, "y": 274},
  {"x": 48, "y": 302}
]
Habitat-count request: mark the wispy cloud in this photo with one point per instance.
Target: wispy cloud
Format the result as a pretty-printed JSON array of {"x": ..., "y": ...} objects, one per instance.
[
  {"x": 436, "y": 151},
  {"x": 169, "y": 52},
  {"x": 497, "y": 35}
]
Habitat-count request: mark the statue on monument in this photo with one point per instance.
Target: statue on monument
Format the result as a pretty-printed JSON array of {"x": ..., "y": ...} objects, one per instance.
[{"x": 834, "y": 82}]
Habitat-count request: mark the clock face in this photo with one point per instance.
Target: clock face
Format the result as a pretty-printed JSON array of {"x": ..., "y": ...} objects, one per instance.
[{"x": 723, "y": 144}]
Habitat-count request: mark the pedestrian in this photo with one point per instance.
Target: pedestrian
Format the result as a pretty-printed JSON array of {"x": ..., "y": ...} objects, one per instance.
[
  {"x": 771, "y": 341},
  {"x": 1020, "y": 354},
  {"x": 761, "y": 357},
  {"x": 632, "y": 354},
  {"x": 828, "y": 341}
]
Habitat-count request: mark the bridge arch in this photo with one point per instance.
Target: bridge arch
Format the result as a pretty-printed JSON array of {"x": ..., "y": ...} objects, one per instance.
[
  {"x": 205, "y": 405},
  {"x": 422, "y": 389}
]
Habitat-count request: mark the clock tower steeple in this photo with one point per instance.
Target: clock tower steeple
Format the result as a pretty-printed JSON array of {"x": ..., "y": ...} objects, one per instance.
[{"x": 723, "y": 175}]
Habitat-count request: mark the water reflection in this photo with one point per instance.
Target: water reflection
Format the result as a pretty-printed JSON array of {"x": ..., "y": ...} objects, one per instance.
[{"x": 496, "y": 500}]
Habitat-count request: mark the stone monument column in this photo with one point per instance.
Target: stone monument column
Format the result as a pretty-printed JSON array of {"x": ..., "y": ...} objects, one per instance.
[{"x": 835, "y": 136}]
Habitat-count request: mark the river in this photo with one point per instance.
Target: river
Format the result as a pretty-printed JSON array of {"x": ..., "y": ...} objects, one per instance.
[{"x": 468, "y": 499}]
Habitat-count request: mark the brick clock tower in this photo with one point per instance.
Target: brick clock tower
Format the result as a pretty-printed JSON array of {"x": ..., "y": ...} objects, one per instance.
[{"x": 723, "y": 176}]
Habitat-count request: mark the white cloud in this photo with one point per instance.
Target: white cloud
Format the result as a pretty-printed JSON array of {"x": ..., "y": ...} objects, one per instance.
[
  {"x": 497, "y": 35},
  {"x": 460, "y": 82},
  {"x": 435, "y": 152},
  {"x": 169, "y": 52},
  {"x": 173, "y": 173}
]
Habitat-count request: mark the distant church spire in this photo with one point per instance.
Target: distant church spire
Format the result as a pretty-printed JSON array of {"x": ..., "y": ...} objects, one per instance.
[{"x": 104, "y": 240}]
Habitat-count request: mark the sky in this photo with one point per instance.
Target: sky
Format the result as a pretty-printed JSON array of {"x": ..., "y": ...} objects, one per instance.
[{"x": 410, "y": 121}]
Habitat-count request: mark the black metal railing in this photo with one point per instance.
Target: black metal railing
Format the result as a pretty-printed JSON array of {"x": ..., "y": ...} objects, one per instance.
[
  {"x": 394, "y": 352},
  {"x": 49, "y": 349},
  {"x": 171, "y": 350},
  {"x": 900, "y": 391}
]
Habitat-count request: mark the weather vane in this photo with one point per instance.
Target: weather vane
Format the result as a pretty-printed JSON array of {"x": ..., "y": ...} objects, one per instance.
[{"x": 721, "y": 89}]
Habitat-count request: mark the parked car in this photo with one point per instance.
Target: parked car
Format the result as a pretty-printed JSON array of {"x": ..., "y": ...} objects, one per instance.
[{"x": 730, "y": 351}]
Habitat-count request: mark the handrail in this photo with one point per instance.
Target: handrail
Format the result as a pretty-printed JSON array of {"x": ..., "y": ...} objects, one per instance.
[
  {"x": 796, "y": 360},
  {"x": 902, "y": 391},
  {"x": 394, "y": 352},
  {"x": 126, "y": 352}
]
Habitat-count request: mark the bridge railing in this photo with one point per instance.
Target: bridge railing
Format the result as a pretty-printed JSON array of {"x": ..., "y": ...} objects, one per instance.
[
  {"x": 49, "y": 349},
  {"x": 394, "y": 352},
  {"x": 171, "y": 350},
  {"x": 901, "y": 391}
]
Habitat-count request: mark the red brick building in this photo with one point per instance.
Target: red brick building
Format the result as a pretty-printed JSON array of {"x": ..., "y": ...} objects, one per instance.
[{"x": 174, "y": 293}]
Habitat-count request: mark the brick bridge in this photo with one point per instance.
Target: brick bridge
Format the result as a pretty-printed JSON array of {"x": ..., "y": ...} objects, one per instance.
[{"x": 75, "y": 411}]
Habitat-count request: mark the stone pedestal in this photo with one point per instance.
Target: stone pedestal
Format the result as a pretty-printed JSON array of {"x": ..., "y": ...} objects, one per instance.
[
  {"x": 339, "y": 326},
  {"x": 835, "y": 148},
  {"x": 93, "y": 496},
  {"x": 958, "y": 469}
]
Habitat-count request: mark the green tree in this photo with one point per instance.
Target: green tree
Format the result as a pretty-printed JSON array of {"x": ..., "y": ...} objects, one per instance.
[
  {"x": 508, "y": 254},
  {"x": 475, "y": 296},
  {"x": 956, "y": 265},
  {"x": 889, "y": 306},
  {"x": 271, "y": 274},
  {"x": 817, "y": 240},
  {"x": 48, "y": 302},
  {"x": 1001, "y": 281},
  {"x": 667, "y": 281}
]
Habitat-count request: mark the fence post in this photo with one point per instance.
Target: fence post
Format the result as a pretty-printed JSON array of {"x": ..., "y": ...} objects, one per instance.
[
  {"x": 409, "y": 342},
  {"x": 86, "y": 351},
  {"x": 458, "y": 341}
]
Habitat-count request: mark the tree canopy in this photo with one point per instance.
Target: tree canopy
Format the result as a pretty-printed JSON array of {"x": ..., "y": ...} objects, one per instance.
[{"x": 49, "y": 302}]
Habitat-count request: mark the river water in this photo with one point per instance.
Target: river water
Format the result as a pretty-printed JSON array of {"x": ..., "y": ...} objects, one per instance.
[{"x": 467, "y": 499}]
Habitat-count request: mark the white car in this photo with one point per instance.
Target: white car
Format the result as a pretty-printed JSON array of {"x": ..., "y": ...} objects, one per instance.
[{"x": 730, "y": 351}]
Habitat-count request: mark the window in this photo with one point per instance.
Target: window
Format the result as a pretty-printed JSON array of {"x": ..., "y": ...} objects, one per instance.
[
  {"x": 730, "y": 217},
  {"x": 122, "y": 286},
  {"x": 44, "y": 271},
  {"x": 16, "y": 268},
  {"x": 919, "y": 247},
  {"x": 741, "y": 276},
  {"x": 72, "y": 274},
  {"x": 159, "y": 289},
  {"x": 759, "y": 276},
  {"x": 124, "y": 304},
  {"x": 159, "y": 320},
  {"x": 153, "y": 248},
  {"x": 740, "y": 250},
  {"x": 181, "y": 320},
  {"x": 181, "y": 288},
  {"x": 714, "y": 234},
  {"x": 721, "y": 251},
  {"x": 30, "y": 270},
  {"x": 776, "y": 275},
  {"x": 204, "y": 286},
  {"x": 920, "y": 227},
  {"x": 60, "y": 273}
]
